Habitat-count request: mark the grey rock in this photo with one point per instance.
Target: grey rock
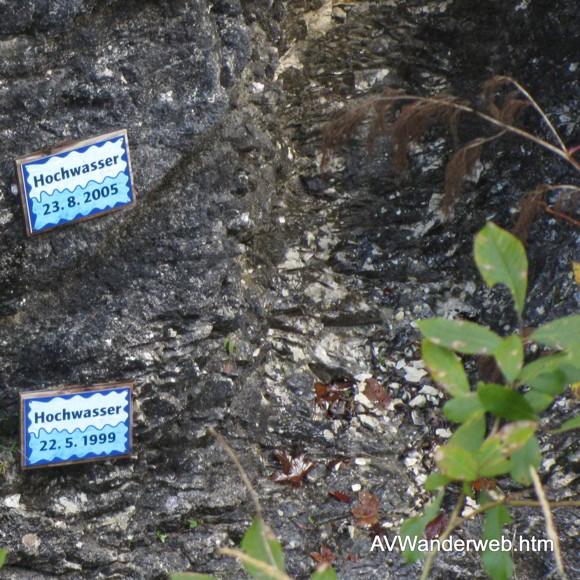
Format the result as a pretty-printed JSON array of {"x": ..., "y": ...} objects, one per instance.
[{"x": 238, "y": 235}]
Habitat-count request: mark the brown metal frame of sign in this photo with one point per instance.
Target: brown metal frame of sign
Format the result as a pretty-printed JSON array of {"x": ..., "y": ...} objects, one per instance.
[
  {"x": 71, "y": 391},
  {"x": 63, "y": 148}
]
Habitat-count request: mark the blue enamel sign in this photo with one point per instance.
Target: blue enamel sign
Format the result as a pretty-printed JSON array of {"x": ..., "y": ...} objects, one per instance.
[
  {"x": 75, "y": 182},
  {"x": 76, "y": 424}
]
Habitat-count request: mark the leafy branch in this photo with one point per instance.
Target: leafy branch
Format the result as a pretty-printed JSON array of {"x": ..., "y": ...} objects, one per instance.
[
  {"x": 413, "y": 119},
  {"x": 510, "y": 446}
]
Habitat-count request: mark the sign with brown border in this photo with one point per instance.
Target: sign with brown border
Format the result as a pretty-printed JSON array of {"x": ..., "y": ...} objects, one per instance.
[
  {"x": 76, "y": 424},
  {"x": 75, "y": 181}
]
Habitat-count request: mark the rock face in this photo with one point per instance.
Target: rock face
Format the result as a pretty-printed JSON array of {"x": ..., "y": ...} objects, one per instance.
[{"x": 237, "y": 235}]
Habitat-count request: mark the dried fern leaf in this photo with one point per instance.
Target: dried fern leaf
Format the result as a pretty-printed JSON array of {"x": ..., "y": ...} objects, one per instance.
[
  {"x": 413, "y": 121},
  {"x": 529, "y": 208},
  {"x": 337, "y": 132},
  {"x": 458, "y": 168},
  {"x": 490, "y": 89},
  {"x": 512, "y": 107},
  {"x": 382, "y": 106}
]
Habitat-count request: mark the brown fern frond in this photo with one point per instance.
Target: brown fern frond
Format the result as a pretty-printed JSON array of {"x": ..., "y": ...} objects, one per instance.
[
  {"x": 413, "y": 120},
  {"x": 452, "y": 122},
  {"x": 490, "y": 89},
  {"x": 512, "y": 107},
  {"x": 533, "y": 202},
  {"x": 382, "y": 106},
  {"x": 458, "y": 168},
  {"x": 337, "y": 132},
  {"x": 530, "y": 207},
  {"x": 569, "y": 198}
]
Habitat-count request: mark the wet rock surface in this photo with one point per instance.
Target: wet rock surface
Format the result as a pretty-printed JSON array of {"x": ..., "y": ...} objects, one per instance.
[{"x": 238, "y": 235}]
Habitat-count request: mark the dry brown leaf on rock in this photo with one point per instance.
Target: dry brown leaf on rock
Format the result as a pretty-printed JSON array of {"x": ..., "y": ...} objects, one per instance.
[
  {"x": 338, "y": 462},
  {"x": 340, "y": 496},
  {"x": 375, "y": 392},
  {"x": 332, "y": 392},
  {"x": 325, "y": 556},
  {"x": 483, "y": 483},
  {"x": 436, "y": 527},
  {"x": 366, "y": 510},
  {"x": 295, "y": 468},
  {"x": 335, "y": 396}
]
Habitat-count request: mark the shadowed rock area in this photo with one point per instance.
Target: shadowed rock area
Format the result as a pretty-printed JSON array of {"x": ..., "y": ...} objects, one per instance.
[{"x": 307, "y": 275}]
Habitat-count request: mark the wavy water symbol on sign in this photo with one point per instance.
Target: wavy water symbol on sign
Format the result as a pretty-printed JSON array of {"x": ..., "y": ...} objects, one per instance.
[
  {"x": 78, "y": 412},
  {"x": 75, "y": 168},
  {"x": 63, "y": 446},
  {"x": 67, "y": 205}
]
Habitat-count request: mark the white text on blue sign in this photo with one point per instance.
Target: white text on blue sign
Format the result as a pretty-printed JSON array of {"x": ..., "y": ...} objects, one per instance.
[
  {"x": 87, "y": 425},
  {"x": 77, "y": 183}
]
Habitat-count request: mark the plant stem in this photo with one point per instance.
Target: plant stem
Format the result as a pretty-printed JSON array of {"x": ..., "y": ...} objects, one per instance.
[
  {"x": 552, "y": 504},
  {"x": 550, "y": 528},
  {"x": 557, "y": 213},
  {"x": 538, "y": 109},
  {"x": 246, "y": 480},
  {"x": 243, "y": 475},
  {"x": 456, "y": 521},
  {"x": 271, "y": 571},
  {"x": 450, "y": 527},
  {"x": 563, "y": 153}
]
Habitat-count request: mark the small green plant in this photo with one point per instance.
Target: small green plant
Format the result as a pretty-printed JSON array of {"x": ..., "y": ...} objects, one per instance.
[
  {"x": 162, "y": 537},
  {"x": 8, "y": 451},
  {"x": 510, "y": 445},
  {"x": 229, "y": 345},
  {"x": 192, "y": 523},
  {"x": 261, "y": 552},
  {"x": 2, "y": 557}
]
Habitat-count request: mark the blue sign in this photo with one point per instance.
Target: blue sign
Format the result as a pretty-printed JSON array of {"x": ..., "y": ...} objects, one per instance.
[
  {"x": 75, "y": 182},
  {"x": 76, "y": 424}
]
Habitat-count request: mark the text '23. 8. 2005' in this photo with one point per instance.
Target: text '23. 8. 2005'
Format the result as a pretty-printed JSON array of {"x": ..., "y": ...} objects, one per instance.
[{"x": 76, "y": 181}]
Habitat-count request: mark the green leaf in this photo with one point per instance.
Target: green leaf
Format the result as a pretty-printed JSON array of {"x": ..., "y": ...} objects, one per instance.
[
  {"x": 229, "y": 345},
  {"x": 162, "y": 537},
  {"x": 562, "y": 333},
  {"x": 550, "y": 374},
  {"x": 445, "y": 367},
  {"x": 415, "y": 527},
  {"x": 470, "y": 435},
  {"x": 191, "y": 576},
  {"x": 435, "y": 481},
  {"x": 253, "y": 544},
  {"x": 501, "y": 259},
  {"x": 468, "y": 488},
  {"x": 324, "y": 574},
  {"x": 460, "y": 409},
  {"x": 491, "y": 460},
  {"x": 504, "y": 402},
  {"x": 528, "y": 455},
  {"x": 573, "y": 423},
  {"x": 2, "y": 557},
  {"x": 460, "y": 335},
  {"x": 509, "y": 356},
  {"x": 538, "y": 401},
  {"x": 497, "y": 563},
  {"x": 571, "y": 365},
  {"x": 493, "y": 454},
  {"x": 456, "y": 462},
  {"x": 552, "y": 383},
  {"x": 513, "y": 436},
  {"x": 542, "y": 365}
]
